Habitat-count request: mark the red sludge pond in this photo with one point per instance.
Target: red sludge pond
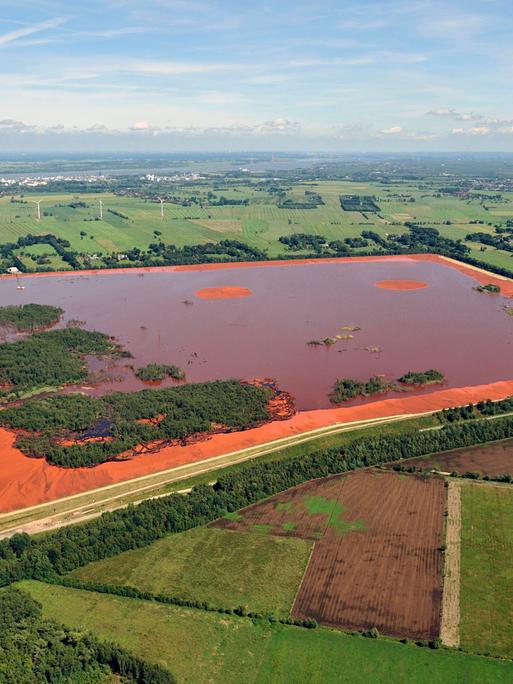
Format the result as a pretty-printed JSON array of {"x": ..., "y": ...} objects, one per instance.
[
  {"x": 382, "y": 329},
  {"x": 262, "y": 328}
]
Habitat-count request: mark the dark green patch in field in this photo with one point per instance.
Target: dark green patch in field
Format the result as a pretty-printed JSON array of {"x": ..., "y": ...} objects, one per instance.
[
  {"x": 232, "y": 515},
  {"x": 319, "y": 505},
  {"x": 288, "y": 526}
]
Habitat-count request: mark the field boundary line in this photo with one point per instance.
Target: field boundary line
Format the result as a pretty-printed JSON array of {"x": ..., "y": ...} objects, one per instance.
[
  {"x": 450, "y": 622},
  {"x": 314, "y": 544}
]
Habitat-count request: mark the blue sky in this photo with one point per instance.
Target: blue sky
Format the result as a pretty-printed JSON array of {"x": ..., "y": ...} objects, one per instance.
[{"x": 222, "y": 75}]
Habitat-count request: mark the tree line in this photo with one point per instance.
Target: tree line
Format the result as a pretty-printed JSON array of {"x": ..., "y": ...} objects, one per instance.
[{"x": 35, "y": 650}]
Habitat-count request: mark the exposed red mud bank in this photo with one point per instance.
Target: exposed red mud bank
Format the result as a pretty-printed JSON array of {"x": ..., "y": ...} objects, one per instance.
[
  {"x": 402, "y": 285},
  {"x": 224, "y": 292},
  {"x": 25, "y": 481}
]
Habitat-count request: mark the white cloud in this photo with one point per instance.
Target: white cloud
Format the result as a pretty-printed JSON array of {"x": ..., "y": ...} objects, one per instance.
[
  {"x": 15, "y": 35},
  {"x": 393, "y": 130}
]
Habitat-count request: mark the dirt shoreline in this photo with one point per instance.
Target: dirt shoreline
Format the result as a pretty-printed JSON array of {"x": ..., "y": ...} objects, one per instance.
[{"x": 28, "y": 481}]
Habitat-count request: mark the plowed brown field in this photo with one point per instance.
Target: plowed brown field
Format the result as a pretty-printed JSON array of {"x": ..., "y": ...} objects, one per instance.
[
  {"x": 494, "y": 459},
  {"x": 377, "y": 560}
]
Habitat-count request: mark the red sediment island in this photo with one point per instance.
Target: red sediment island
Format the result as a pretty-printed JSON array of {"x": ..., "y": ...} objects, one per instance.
[
  {"x": 224, "y": 292},
  {"x": 402, "y": 285}
]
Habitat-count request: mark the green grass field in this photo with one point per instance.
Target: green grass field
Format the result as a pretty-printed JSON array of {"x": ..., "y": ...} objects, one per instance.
[
  {"x": 260, "y": 224},
  {"x": 487, "y": 570},
  {"x": 225, "y": 568},
  {"x": 206, "y": 647}
]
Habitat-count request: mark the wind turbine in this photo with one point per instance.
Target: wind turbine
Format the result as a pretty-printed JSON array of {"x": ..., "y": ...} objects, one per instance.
[
  {"x": 161, "y": 208},
  {"x": 101, "y": 210},
  {"x": 38, "y": 203}
]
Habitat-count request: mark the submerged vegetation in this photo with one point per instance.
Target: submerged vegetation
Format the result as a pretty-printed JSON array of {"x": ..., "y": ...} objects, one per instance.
[
  {"x": 70, "y": 431},
  {"x": 29, "y": 317},
  {"x": 154, "y": 372},
  {"x": 50, "y": 359}
]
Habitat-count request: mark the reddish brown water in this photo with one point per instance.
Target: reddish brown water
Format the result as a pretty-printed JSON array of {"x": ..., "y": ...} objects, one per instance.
[{"x": 447, "y": 325}]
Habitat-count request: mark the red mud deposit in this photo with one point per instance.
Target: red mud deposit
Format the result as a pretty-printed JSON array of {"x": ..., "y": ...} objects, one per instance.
[
  {"x": 401, "y": 285},
  {"x": 226, "y": 292},
  {"x": 27, "y": 481}
]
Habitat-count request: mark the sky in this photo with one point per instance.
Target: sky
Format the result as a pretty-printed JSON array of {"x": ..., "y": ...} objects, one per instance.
[{"x": 221, "y": 75}]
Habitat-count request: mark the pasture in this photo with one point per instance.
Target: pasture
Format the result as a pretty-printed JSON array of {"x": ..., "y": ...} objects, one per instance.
[
  {"x": 229, "y": 570},
  {"x": 487, "y": 569},
  {"x": 200, "y": 647}
]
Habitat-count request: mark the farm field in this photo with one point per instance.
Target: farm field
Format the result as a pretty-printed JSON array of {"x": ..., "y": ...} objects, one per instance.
[
  {"x": 356, "y": 520},
  {"x": 225, "y": 649},
  {"x": 135, "y": 222},
  {"x": 487, "y": 569},
  {"x": 488, "y": 459},
  {"x": 261, "y": 573}
]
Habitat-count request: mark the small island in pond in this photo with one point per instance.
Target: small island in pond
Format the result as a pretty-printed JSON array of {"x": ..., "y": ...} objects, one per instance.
[
  {"x": 429, "y": 377},
  {"x": 492, "y": 289},
  {"x": 154, "y": 372},
  {"x": 346, "y": 388}
]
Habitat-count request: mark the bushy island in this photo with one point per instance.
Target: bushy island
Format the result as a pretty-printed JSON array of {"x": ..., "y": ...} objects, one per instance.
[
  {"x": 429, "y": 377},
  {"x": 346, "y": 388},
  {"x": 76, "y": 430},
  {"x": 35, "y": 650},
  {"x": 29, "y": 317},
  {"x": 154, "y": 372},
  {"x": 492, "y": 289},
  {"x": 50, "y": 360}
]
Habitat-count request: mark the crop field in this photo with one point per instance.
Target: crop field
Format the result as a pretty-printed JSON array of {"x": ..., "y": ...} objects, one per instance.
[
  {"x": 200, "y": 647},
  {"x": 488, "y": 459},
  {"x": 229, "y": 570},
  {"x": 486, "y": 624},
  {"x": 136, "y": 222},
  {"x": 358, "y": 520}
]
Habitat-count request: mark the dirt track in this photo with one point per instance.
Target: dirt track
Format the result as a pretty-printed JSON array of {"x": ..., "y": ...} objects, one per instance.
[
  {"x": 450, "y": 625},
  {"x": 377, "y": 561}
]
